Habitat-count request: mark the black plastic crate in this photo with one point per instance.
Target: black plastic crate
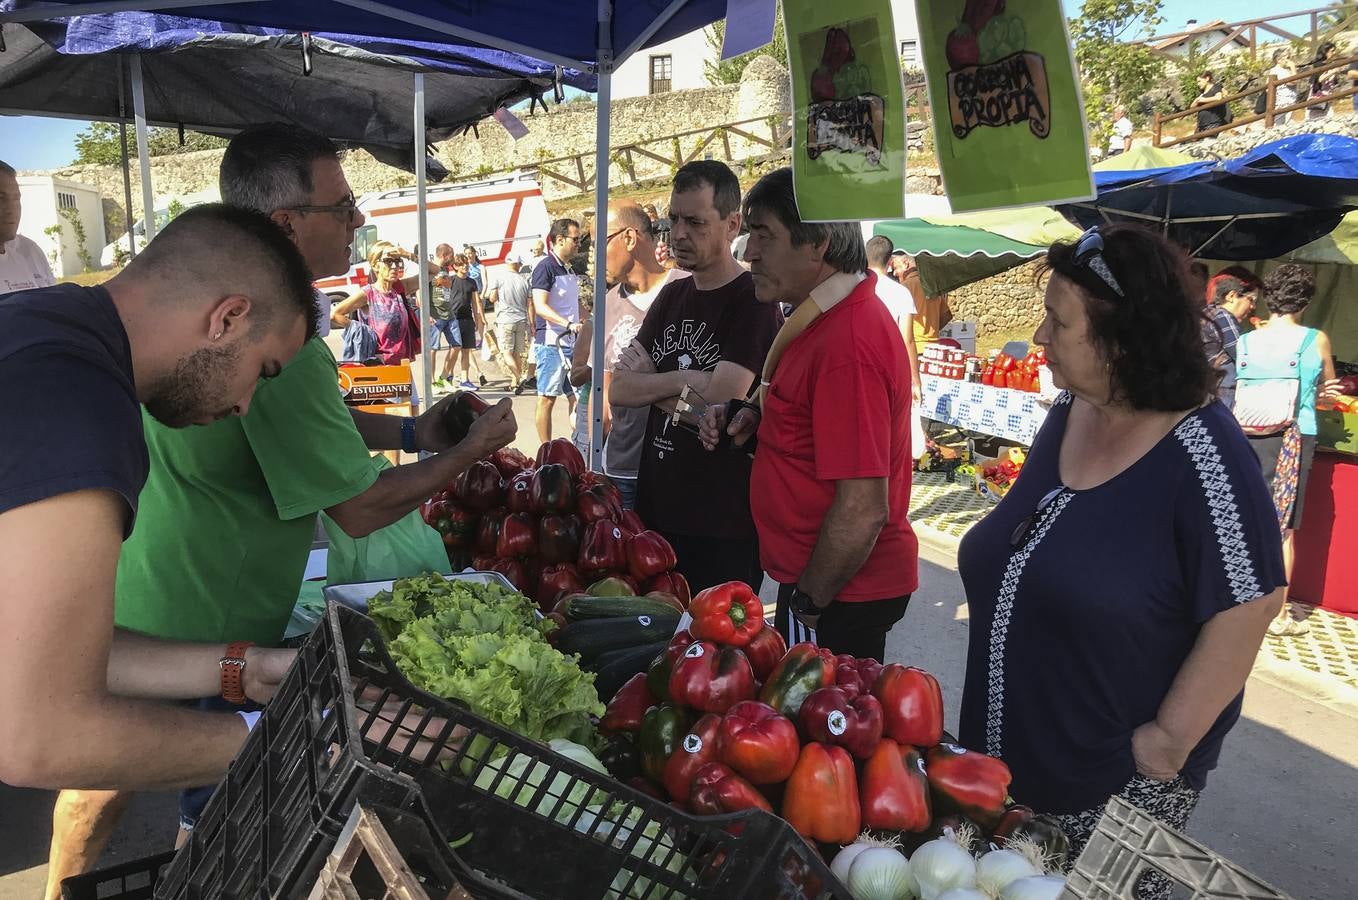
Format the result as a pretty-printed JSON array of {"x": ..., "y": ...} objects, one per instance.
[
  {"x": 135, "y": 880},
  {"x": 573, "y": 833}
]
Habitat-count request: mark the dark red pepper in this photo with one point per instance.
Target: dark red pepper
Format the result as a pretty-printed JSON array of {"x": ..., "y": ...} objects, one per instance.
[
  {"x": 649, "y": 554},
  {"x": 759, "y": 743},
  {"x": 716, "y": 790},
  {"x": 967, "y": 782},
  {"x": 460, "y": 412},
  {"x": 483, "y": 563},
  {"x": 856, "y": 676},
  {"x": 729, "y": 613},
  {"x": 628, "y": 520},
  {"x": 711, "y": 678},
  {"x": 697, "y": 749},
  {"x": 554, "y": 582},
  {"x": 595, "y": 505},
  {"x": 764, "y": 651},
  {"x": 518, "y": 536},
  {"x": 671, "y": 583},
  {"x": 480, "y": 487},
  {"x": 510, "y": 462},
  {"x": 459, "y": 528},
  {"x": 514, "y": 570},
  {"x": 552, "y": 491},
  {"x": 488, "y": 532},
  {"x": 830, "y": 716},
  {"x": 627, "y": 707},
  {"x": 562, "y": 451},
  {"x": 912, "y": 705},
  {"x": 658, "y": 673},
  {"x": 559, "y": 538},
  {"x": 519, "y": 493},
  {"x": 602, "y": 550}
]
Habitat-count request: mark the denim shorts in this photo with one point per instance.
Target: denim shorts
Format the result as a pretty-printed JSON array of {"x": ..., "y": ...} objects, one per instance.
[
  {"x": 447, "y": 328},
  {"x": 552, "y": 371}
]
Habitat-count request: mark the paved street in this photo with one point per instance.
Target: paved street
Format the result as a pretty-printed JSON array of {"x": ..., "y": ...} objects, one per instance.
[{"x": 1282, "y": 804}]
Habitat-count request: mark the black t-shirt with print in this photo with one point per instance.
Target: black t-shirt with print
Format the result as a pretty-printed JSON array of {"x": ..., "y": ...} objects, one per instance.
[{"x": 683, "y": 488}]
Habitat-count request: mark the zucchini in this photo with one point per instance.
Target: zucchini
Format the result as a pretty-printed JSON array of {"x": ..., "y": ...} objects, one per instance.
[
  {"x": 581, "y": 606},
  {"x": 613, "y": 669},
  {"x": 592, "y": 637}
]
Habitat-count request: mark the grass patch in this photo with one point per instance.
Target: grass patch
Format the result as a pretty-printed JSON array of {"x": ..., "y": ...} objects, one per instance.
[
  {"x": 995, "y": 340},
  {"x": 89, "y": 279}
]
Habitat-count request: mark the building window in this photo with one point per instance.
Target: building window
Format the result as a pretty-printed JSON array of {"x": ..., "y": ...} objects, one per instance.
[
  {"x": 65, "y": 200},
  {"x": 910, "y": 54},
  {"x": 662, "y": 73}
]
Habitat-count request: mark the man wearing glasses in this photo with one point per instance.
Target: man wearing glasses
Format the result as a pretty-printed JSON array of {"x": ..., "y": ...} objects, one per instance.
[
  {"x": 556, "y": 305},
  {"x": 228, "y": 514}
]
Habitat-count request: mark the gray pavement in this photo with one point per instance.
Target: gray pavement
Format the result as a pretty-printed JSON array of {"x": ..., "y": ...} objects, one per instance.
[{"x": 1282, "y": 803}]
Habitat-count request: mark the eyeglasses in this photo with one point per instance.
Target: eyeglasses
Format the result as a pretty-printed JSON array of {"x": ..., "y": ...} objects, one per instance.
[
  {"x": 348, "y": 208},
  {"x": 1089, "y": 255},
  {"x": 394, "y": 262},
  {"x": 1023, "y": 532}
]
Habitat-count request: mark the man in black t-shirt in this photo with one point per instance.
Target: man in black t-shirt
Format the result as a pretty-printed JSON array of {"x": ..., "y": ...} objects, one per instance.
[
  {"x": 220, "y": 299},
  {"x": 1211, "y": 112},
  {"x": 707, "y": 332}
]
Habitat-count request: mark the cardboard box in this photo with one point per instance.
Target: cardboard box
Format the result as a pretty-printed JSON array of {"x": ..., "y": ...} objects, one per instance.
[{"x": 364, "y": 385}]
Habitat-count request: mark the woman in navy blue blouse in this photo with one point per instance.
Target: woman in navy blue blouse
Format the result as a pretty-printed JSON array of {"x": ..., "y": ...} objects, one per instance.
[{"x": 1119, "y": 593}]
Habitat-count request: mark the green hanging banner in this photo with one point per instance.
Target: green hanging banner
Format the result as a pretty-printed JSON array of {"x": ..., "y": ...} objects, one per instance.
[
  {"x": 1009, "y": 122},
  {"x": 848, "y": 110}
]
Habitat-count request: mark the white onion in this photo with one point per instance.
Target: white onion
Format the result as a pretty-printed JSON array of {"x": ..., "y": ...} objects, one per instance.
[
  {"x": 964, "y": 894},
  {"x": 996, "y": 869},
  {"x": 1037, "y": 887},
  {"x": 941, "y": 865},
  {"x": 844, "y": 859},
  {"x": 880, "y": 873}
]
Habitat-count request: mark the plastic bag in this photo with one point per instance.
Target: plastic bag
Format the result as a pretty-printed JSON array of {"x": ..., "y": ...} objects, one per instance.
[{"x": 405, "y": 547}]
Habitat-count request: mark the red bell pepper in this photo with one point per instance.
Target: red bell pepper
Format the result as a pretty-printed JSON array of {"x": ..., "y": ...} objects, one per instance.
[
  {"x": 803, "y": 669},
  {"x": 459, "y": 528},
  {"x": 729, "y": 614},
  {"x": 711, "y": 678},
  {"x": 602, "y": 550},
  {"x": 649, "y": 554},
  {"x": 821, "y": 800},
  {"x": 967, "y": 782},
  {"x": 510, "y": 462},
  {"x": 595, "y": 505},
  {"x": 480, "y": 487},
  {"x": 433, "y": 509},
  {"x": 559, "y": 538},
  {"x": 459, "y": 412},
  {"x": 697, "y": 749},
  {"x": 912, "y": 705},
  {"x": 519, "y": 493},
  {"x": 562, "y": 451},
  {"x": 658, "y": 673},
  {"x": 856, "y": 676},
  {"x": 483, "y": 563},
  {"x": 988, "y": 373},
  {"x": 628, "y": 520},
  {"x": 514, "y": 570},
  {"x": 758, "y": 743},
  {"x": 488, "y": 532},
  {"x": 716, "y": 790},
  {"x": 553, "y": 582},
  {"x": 627, "y": 707},
  {"x": 671, "y": 583},
  {"x": 662, "y": 729},
  {"x": 830, "y": 716},
  {"x": 764, "y": 651},
  {"x": 518, "y": 536},
  {"x": 894, "y": 791},
  {"x": 552, "y": 491}
]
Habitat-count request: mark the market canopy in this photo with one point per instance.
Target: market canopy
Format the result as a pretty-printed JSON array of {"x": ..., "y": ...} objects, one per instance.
[
  {"x": 1272, "y": 200},
  {"x": 219, "y": 78},
  {"x": 1142, "y": 157},
  {"x": 562, "y": 31}
]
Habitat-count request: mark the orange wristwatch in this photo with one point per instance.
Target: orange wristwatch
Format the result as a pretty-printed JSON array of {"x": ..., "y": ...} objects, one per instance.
[{"x": 233, "y": 671}]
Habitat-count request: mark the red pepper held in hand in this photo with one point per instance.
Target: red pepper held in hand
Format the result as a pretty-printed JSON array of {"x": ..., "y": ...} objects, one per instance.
[
  {"x": 697, "y": 749},
  {"x": 711, "y": 678},
  {"x": 803, "y": 669},
  {"x": 758, "y": 743},
  {"x": 764, "y": 651},
  {"x": 602, "y": 550},
  {"x": 895, "y": 790},
  {"x": 559, "y": 538},
  {"x": 716, "y": 790},
  {"x": 628, "y": 706},
  {"x": 912, "y": 705},
  {"x": 648, "y": 555},
  {"x": 727, "y": 614},
  {"x": 831, "y": 717},
  {"x": 968, "y": 782},
  {"x": 562, "y": 451},
  {"x": 821, "y": 800}
]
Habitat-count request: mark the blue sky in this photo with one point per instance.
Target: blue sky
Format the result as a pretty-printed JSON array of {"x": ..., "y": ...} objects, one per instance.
[{"x": 28, "y": 142}]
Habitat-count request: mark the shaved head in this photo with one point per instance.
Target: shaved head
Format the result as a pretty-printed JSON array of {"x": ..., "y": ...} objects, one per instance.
[{"x": 627, "y": 214}]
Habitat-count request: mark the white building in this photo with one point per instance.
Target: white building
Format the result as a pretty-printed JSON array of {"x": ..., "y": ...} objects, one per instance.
[
  {"x": 678, "y": 65},
  {"x": 45, "y": 220}
]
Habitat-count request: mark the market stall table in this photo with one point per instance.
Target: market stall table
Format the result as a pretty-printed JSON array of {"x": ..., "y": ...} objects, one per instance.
[
  {"x": 1325, "y": 575},
  {"x": 999, "y": 412}
]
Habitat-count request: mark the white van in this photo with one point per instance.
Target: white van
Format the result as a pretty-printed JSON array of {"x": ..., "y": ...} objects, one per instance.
[{"x": 498, "y": 217}]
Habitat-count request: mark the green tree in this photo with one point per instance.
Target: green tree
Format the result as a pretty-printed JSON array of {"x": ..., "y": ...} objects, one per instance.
[
  {"x": 99, "y": 143},
  {"x": 1113, "y": 69},
  {"x": 729, "y": 71}
]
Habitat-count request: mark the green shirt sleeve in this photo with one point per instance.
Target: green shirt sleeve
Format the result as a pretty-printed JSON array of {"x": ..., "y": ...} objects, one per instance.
[{"x": 304, "y": 437}]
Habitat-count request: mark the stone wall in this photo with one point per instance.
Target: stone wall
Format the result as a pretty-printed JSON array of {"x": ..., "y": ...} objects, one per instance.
[
  {"x": 1007, "y": 302},
  {"x": 1235, "y": 143}
]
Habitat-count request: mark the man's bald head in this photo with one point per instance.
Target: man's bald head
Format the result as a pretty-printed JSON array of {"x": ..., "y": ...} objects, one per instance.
[
  {"x": 628, "y": 214},
  {"x": 631, "y": 241}
]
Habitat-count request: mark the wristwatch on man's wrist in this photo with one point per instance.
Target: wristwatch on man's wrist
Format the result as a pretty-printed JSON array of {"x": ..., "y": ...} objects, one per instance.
[
  {"x": 803, "y": 604},
  {"x": 232, "y": 665}
]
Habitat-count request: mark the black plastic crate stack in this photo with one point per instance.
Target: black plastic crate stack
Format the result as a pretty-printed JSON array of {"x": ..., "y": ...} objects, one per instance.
[
  {"x": 126, "y": 881},
  {"x": 343, "y": 728}
]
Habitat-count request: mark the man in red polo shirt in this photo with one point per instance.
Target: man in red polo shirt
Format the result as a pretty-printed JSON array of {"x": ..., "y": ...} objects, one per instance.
[{"x": 830, "y": 489}]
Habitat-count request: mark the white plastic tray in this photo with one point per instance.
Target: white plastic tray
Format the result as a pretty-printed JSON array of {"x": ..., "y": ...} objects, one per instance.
[{"x": 355, "y": 596}]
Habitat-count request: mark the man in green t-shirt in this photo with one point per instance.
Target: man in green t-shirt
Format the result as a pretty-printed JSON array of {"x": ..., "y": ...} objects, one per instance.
[{"x": 229, "y": 510}]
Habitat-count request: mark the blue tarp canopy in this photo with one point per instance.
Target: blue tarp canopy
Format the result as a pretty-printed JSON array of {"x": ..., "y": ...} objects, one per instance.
[
  {"x": 562, "y": 31},
  {"x": 1264, "y": 204},
  {"x": 218, "y": 78}
]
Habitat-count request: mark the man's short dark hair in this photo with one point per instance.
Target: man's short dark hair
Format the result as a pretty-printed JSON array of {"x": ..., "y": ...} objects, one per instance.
[
  {"x": 7, "y": 169},
  {"x": 561, "y": 228},
  {"x": 773, "y": 195},
  {"x": 268, "y": 167},
  {"x": 879, "y": 249},
  {"x": 216, "y": 250},
  {"x": 711, "y": 173},
  {"x": 1288, "y": 289},
  {"x": 1224, "y": 285},
  {"x": 1205, "y": 73}
]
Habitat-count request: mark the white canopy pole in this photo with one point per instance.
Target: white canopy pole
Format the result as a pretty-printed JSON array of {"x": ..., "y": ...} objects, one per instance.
[
  {"x": 422, "y": 249},
  {"x": 148, "y": 199},
  {"x": 127, "y": 177},
  {"x": 601, "y": 160}
]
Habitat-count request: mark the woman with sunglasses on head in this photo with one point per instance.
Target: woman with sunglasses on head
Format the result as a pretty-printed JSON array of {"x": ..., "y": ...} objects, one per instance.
[
  {"x": 386, "y": 304},
  {"x": 1119, "y": 592}
]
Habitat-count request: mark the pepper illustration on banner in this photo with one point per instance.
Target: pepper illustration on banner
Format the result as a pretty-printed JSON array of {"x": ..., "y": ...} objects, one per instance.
[{"x": 1008, "y": 117}]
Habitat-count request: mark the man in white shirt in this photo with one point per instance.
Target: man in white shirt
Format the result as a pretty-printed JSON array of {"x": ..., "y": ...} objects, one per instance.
[
  {"x": 899, "y": 301},
  {"x": 22, "y": 263},
  {"x": 1121, "y": 141}
]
